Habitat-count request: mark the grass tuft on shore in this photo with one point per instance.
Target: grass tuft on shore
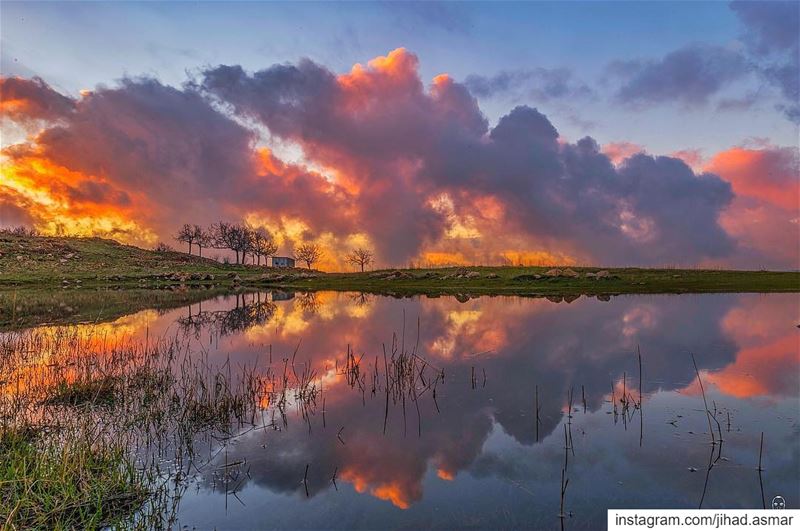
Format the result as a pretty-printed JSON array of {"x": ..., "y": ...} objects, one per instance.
[{"x": 48, "y": 483}]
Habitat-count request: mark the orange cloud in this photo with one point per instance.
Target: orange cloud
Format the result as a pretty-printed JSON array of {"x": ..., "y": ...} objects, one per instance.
[
  {"x": 619, "y": 151},
  {"x": 769, "y": 174}
]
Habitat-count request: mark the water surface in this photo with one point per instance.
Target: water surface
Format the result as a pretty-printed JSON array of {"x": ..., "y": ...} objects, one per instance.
[{"x": 474, "y": 456}]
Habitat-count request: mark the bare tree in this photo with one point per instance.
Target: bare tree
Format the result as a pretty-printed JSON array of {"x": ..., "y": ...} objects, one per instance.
[
  {"x": 201, "y": 238},
  {"x": 361, "y": 257},
  {"x": 230, "y": 236},
  {"x": 186, "y": 234},
  {"x": 239, "y": 241},
  {"x": 219, "y": 236},
  {"x": 263, "y": 244},
  {"x": 308, "y": 253}
]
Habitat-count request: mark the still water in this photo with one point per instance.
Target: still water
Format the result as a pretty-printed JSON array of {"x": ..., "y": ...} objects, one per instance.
[{"x": 473, "y": 454}]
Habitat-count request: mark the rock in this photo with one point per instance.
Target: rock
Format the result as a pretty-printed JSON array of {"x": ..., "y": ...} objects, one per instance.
[
  {"x": 196, "y": 276},
  {"x": 603, "y": 274},
  {"x": 472, "y": 274},
  {"x": 208, "y": 277},
  {"x": 492, "y": 275},
  {"x": 232, "y": 275},
  {"x": 591, "y": 275},
  {"x": 236, "y": 278},
  {"x": 569, "y": 273},
  {"x": 553, "y": 273},
  {"x": 526, "y": 277},
  {"x": 571, "y": 298}
]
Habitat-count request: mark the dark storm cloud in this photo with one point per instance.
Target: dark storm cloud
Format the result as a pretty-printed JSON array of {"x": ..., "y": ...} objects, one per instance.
[
  {"x": 180, "y": 158},
  {"x": 541, "y": 84},
  {"x": 32, "y": 99},
  {"x": 772, "y": 36},
  {"x": 690, "y": 75},
  {"x": 771, "y": 26},
  {"x": 403, "y": 145}
]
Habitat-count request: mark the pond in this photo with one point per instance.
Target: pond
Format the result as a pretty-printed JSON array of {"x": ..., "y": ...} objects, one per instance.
[{"x": 458, "y": 412}]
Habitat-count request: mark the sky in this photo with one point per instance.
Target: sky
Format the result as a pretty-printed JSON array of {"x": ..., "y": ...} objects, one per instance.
[{"x": 613, "y": 133}]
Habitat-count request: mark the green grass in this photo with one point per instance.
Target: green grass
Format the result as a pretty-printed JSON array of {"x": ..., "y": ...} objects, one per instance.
[
  {"x": 523, "y": 281},
  {"x": 70, "y": 485},
  {"x": 88, "y": 439},
  {"x": 75, "y": 264}
]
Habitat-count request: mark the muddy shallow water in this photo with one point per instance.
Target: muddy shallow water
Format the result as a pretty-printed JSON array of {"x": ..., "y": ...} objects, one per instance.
[{"x": 472, "y": 454}]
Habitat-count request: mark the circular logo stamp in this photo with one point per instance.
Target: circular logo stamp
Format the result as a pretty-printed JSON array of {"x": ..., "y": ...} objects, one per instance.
[{"x": 778, "y": 502}]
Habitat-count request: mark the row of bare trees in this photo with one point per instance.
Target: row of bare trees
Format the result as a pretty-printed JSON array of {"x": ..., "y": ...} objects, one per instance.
[
  {"x": 242, "y": 239},
  {"x": 257, "y": 243}
]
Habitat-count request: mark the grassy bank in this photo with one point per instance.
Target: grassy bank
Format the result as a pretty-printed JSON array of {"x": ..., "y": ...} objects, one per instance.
[
  {"x": 79, "y": 263},
  {"x": 34, "y": 306},
  {"x": 94, "y": 435}
]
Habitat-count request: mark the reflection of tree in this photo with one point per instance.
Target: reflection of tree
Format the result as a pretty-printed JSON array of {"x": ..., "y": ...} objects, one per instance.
[
  {"x": 244, "y": 315},
  {"x": 308, "y": 302},
  {"x": 361, "y": 299}
]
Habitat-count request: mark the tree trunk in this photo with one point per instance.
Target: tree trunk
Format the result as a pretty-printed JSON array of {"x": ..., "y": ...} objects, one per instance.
[
  {"x": 237, "y": 257},
  {"x": 201, "y": 251},
  {"x": 190, "y": 248},
  {"x": 362, "y": 268}
]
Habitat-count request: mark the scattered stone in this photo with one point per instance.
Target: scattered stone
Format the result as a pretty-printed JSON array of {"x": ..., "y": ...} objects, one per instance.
[
  {"x": 398, "y": 275},
  {"x": 492, "y": 275},
  {"x": 569, "y": 273},
  {"x": 472, "y": 274},
  {"x": 603, "y": 274},
  {"x": 553, "y": 273}
]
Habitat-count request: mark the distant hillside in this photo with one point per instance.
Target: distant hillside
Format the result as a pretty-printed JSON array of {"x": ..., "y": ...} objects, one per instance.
[
  {"x": 49, "y": 262},
  {"x": 46, "y": 259}
]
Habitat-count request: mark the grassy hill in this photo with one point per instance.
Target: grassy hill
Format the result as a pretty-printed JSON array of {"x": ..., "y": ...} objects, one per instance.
[
  {"x": 94, "y": 262},
  {"x": 49, "y": 260}
]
